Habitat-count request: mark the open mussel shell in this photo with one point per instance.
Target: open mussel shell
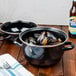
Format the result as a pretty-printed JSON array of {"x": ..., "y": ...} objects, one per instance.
[
  {"x": 51, "y": 37},
  {"x": 31, "y": 40},
  {"x": 43, "y": 38},
  {"x": 44, "y": 41},
  {"x": 46, "y": 38}
]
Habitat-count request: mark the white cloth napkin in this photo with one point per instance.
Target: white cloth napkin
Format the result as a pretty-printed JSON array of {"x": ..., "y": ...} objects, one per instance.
[{"x": 16, "y": 68}]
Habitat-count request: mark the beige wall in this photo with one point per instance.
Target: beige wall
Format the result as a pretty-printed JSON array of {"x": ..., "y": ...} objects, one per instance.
[{"x": 38, "y": 11}]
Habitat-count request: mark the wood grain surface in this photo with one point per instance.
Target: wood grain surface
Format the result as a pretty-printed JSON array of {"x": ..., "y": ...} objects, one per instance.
[
  {"x": 69, "y": 58},
  {"x": 66, "y": 66}
]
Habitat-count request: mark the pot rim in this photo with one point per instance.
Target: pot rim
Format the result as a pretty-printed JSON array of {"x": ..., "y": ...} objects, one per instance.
[
  {"x": 10, "y": 33},
  {"x": 43, "y": 46}
]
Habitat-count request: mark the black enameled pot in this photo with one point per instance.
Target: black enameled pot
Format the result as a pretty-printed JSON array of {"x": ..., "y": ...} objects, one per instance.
[
  {"x": 11, "y": 30},
  {"x": 45, "y": 55}
]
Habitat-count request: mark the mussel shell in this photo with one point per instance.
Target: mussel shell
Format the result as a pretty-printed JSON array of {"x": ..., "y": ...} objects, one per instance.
[
  {"x": 32, "y": 40},
  {"x": 51, "y": 37},
  {"x": 36, "y": 35},
  {"x": 41, "y": 37}
]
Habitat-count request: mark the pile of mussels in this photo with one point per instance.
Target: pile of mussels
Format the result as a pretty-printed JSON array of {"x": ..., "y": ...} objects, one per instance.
[{"x": 43, "y": 38}]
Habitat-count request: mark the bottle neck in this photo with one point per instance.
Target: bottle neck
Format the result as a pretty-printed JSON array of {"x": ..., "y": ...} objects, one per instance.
[{"x": 74, "y": 3}]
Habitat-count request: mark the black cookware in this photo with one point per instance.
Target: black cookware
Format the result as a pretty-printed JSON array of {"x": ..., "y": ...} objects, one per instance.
[
  {"x": 11, "y": 30},
  {"x": 44, "y": 55}
]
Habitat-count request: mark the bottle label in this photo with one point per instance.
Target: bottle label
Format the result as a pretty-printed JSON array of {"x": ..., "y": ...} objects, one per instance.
[
  {"x": 72, "y": 27},
  {"x": 73, "y": 21}
]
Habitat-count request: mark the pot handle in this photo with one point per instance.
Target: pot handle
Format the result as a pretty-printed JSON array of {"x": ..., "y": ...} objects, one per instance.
[
  {"x": 68, "y": 48},
  {"x": 17, "y": 42},
  {"x": 4, "y": 36}
]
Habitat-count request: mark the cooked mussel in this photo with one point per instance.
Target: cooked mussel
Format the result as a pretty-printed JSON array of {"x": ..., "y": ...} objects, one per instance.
[
  {"x": 31, "y": 40},
  {"x": 43, "y": 38},
  {"x": 51, "y": 37}
]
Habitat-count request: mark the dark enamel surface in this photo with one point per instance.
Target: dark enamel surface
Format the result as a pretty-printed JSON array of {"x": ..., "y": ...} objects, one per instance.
[
  {"x": 44, "y": 55},
  {"x": 16, "y": 27}
]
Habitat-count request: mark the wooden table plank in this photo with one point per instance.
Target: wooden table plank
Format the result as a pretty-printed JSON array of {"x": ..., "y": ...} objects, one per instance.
[
  {"x": 52, "y": 71},
  {"x": 10, "y": 48},
  {"x": 65, "y": 29},
  {"x": 1, "y": 43},
  {"x": 66, "y": 67},
  {"x": 54, "y": 26},
  {"x": 69, "y": 58},
  {"x": 70, "y": 61},
  {"x": 58, "y": 69}
]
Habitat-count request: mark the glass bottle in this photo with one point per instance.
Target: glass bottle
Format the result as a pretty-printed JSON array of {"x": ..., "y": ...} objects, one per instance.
[{"x": 72, "y": 22}]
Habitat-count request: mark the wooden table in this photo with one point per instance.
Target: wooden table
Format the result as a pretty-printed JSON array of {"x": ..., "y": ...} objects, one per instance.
[{"x": 66, "y": 66}]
